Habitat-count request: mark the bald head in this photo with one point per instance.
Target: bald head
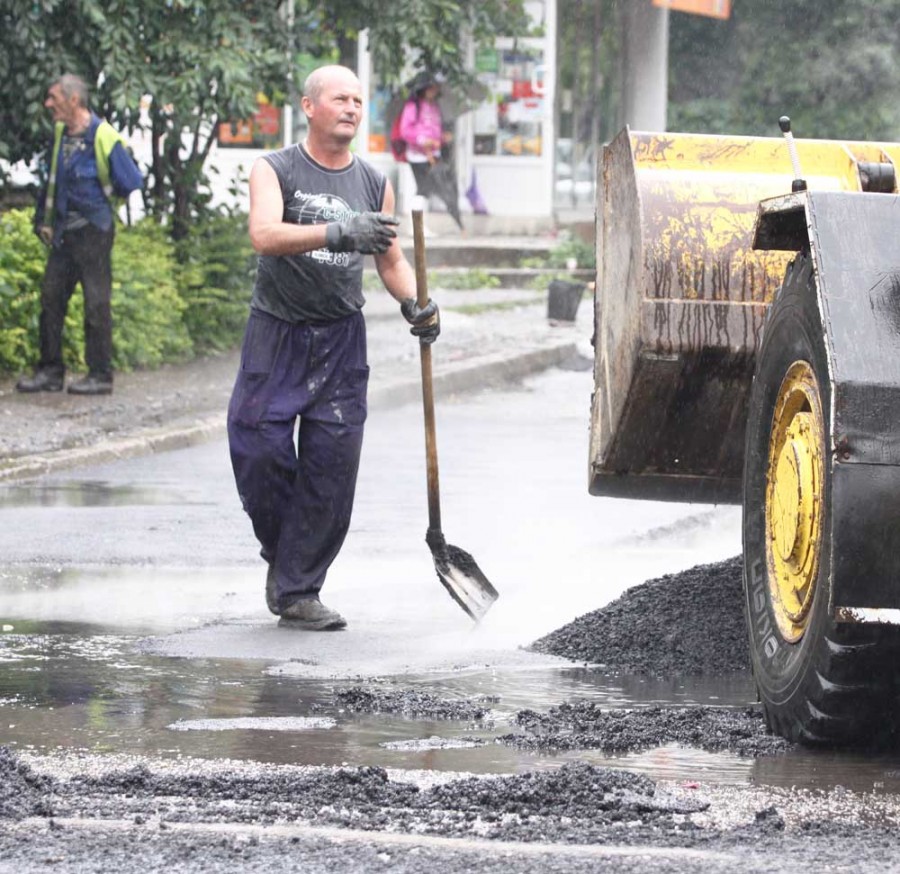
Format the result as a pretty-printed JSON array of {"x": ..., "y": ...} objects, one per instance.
[
  {"x": 331, "y": 75},
  {"x": 333, "y": 104}
]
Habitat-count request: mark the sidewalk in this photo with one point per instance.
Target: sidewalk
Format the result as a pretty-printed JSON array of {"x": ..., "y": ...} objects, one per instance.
[{"x": 487, "y": 337}]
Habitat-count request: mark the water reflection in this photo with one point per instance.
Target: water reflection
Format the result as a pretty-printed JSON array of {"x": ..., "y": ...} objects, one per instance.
[
  {"x": 93, "y": 493},
  {"x": 65, "y": 685}
]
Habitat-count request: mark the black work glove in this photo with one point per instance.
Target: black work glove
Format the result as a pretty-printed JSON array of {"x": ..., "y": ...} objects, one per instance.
[
  {"x": 370, "y": 233},
  {"x": 425, "y": 321}
]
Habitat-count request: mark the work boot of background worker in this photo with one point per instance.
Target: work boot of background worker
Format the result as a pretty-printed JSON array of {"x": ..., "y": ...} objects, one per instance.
[
  {"x": 43, "y": 379},
  {"x": 92, "y": 384}
]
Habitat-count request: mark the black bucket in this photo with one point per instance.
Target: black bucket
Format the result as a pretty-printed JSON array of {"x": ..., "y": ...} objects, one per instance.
[{"x": 562, "y": 300}]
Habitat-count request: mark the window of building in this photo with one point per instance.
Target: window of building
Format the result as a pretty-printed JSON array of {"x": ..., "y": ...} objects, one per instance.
[{"x": 510, "y": 122}]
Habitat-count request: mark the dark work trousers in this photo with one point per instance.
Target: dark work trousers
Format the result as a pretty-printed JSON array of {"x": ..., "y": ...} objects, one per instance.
[
  {"x": 84, "y": 256},
  {"x": 299, "y": 498}
]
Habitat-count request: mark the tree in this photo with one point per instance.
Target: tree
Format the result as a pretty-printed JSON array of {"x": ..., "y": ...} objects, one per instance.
[
  {"x": 197, "y": 63},
  {"x": 830, "y": 65}
]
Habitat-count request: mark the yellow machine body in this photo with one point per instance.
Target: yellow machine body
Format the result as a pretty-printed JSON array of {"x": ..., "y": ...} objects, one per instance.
[{"x": 681, "y": 296}]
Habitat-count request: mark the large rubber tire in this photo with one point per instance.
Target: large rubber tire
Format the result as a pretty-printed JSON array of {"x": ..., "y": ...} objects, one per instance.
[{"x": 819, "y": 682}]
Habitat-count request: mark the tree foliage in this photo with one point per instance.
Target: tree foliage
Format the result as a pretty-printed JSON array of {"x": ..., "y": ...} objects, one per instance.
[
  {"x": 195, "y": 63},
  {"x": 831, "y": 66}
]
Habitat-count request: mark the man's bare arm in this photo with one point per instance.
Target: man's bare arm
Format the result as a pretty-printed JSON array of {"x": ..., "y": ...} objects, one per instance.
[
  {"x": 269, "y": 233},
  {"x": 395, "y": 271},
  {"x": 399, "y": 279}
]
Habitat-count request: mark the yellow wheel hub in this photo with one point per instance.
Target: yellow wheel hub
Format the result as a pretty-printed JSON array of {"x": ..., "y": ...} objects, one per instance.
[{"x": 794, "y": 498}]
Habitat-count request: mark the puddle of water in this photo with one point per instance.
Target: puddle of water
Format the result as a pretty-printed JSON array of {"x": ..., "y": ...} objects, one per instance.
[
  {"x": 92, "y": 493},
  {"x": 254, "y": 723},
  {"x": 142, "y": 600},
  {"x": 65, "y": 685}
]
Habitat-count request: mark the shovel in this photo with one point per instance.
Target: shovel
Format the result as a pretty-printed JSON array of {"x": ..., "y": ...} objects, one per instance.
[{"x": 456, "y": 569}]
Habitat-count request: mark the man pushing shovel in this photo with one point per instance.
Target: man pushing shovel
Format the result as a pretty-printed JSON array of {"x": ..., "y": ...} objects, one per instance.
[{"x": 315, "y": 210}]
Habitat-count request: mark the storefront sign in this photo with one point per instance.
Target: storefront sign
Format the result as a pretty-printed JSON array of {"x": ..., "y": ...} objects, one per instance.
[
  {"x": 261, "y": 131},
  {"x": 711, "y": 8}
]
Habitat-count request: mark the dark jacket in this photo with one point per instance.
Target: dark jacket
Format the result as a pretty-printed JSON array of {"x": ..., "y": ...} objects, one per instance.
[{"x": 86, "y": 183}]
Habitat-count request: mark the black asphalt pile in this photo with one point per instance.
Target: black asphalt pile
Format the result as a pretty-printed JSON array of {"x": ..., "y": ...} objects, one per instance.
[
  {"x": 586, "y": 725},
  {"x": 686, "y": 623},
  {"x": 22, "y": 792},
  {"x": 412, "y": 703}
]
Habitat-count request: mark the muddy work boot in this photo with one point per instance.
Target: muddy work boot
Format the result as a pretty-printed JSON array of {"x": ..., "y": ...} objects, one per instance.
[
  {"x": 271, "y": 593},
  {"x": 43, "y": 379},
  {"x": 310, "y": 614},
  {"x": 92, "y": 384}
]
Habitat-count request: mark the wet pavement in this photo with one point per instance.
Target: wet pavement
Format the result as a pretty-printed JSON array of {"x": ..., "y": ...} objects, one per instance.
[
  {"x": 186, "y": 658},
  {"x": 140, "y": 670}
]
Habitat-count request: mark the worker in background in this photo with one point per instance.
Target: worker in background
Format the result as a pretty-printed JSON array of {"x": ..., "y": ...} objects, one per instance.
[
  {"x": 315, "y": 210},
  {"x": 88, "y": 165}
]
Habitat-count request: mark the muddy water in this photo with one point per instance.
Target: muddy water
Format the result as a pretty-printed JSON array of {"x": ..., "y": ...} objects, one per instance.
[{"x": 66, "y": 685}]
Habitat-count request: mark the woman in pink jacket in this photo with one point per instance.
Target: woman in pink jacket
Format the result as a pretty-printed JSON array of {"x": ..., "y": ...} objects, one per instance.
[{"x": 421, "y": 128}]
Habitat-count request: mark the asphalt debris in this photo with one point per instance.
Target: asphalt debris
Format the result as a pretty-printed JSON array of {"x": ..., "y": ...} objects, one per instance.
[
  {"x": 22, "y": 792},
  {"x": 574, "y": 803},
  {"x": 586, "y": 725},
  {"x": 413, "y": 703},
  {"x": 685, "y": 623}
]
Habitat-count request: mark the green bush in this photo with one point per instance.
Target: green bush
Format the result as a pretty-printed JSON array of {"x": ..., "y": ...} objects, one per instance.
[
  {"x": 216, "y": 271},
  {"x": 148, "y": 324},
  {"x": 21, "y": 270},
  {"x": 463, "y": 280},
  {"x": 568, "y": 246}
]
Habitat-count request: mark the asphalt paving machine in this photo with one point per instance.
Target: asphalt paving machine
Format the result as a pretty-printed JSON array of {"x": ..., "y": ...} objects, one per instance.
[{"x": 747, "y": 350}]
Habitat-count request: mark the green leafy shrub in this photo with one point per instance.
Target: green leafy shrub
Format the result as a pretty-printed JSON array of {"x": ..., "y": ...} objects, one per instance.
[
  {"x": 148, "y": 324},
  {"x": 570, "y": 246},
  {"x": 21, "y": 270},
  {"x": 216, "y": 267},
  {"x": 463, "y": 280},
  {"x": 148, "y": 329}
]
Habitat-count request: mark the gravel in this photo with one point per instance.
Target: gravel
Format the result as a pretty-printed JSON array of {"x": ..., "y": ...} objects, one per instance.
[
  {"x": 413, "y": 703},
  {"x": 587, "y": 726},
  {"x": 22, "y": 792},
  {"x": 103, "y": 813},
  {"x": 686, "y": 623}
]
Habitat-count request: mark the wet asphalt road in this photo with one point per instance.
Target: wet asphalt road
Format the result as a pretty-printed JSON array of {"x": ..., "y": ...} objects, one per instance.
[{"x": 136, "y": 639}]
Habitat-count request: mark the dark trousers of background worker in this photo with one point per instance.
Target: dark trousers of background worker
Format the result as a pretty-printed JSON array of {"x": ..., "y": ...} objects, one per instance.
[
  {"x": 84, "y": 256},
  {"x": 299, "y": 499}
]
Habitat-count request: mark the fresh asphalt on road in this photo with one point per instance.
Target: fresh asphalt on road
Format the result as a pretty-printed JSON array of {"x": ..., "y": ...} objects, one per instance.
[{"x": 155, "y": 551}]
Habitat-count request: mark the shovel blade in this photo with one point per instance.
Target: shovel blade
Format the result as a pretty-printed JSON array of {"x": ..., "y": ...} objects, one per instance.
[{"x": 464, "y": 580}]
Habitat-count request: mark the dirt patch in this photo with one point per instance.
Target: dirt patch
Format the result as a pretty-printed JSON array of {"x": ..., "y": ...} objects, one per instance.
[
  {"x": 586, "y": 726},
  {"x": 686, "y": 623}
]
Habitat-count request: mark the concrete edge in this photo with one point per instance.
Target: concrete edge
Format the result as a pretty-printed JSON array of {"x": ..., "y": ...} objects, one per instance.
[{"x": 454, "y": 378}]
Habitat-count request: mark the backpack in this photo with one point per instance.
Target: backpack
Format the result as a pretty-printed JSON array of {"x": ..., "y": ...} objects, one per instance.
[{"x": 398, "y": 144}]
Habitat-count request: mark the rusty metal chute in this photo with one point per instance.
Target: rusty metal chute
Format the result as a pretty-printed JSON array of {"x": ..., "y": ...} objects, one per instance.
[{"x": 681, "y": 296}]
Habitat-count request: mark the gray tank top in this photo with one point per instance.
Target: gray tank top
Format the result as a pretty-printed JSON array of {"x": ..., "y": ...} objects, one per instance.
[{"x": 322, "y": 285}]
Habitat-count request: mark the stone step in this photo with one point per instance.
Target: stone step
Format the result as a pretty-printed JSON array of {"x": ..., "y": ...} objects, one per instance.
[
  {"x": 498, "y": 277},
  {"x": 450, "y": 249}
]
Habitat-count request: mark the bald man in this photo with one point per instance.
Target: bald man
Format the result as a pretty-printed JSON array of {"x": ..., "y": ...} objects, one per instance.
[{"x": 315, "y": 211}]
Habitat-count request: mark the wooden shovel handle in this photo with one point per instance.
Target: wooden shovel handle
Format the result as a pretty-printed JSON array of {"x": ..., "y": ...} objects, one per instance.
[{"x": 431, "y": 460}]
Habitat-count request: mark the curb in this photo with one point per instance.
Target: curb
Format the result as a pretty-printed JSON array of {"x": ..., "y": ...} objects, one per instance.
[{"x": 457, "y": 377}]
